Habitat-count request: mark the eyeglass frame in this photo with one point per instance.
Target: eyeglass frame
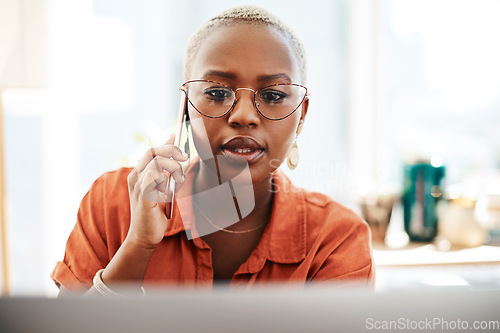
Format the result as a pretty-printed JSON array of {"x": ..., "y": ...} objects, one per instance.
[{"x": 254, "y": 97}]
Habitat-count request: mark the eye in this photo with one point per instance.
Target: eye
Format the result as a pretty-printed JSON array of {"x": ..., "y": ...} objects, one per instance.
[
  {"x": 218, "y": 93},
  {"x": 272, "y": 96}
]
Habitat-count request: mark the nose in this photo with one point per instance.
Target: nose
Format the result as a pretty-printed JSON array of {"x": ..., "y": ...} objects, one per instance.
[{"x": 244, "y": 112}]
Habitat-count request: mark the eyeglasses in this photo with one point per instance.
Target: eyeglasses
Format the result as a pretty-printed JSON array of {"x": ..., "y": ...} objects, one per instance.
[{"x": 213, "y": 99}]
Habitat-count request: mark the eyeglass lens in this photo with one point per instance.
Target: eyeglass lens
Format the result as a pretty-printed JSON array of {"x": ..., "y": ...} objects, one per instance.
[{"x": 274, "y": 102}]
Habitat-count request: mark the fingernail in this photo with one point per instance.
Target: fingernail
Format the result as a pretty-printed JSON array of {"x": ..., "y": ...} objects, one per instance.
[
  {"x": 185, "y": 155},
  {"x": 183, "y": 178}
]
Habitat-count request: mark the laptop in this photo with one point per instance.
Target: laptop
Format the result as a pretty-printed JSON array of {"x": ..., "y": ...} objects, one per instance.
[{"x": 269, "y": 309}]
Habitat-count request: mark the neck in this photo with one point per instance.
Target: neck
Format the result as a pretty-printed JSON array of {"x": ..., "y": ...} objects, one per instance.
[{"x": 260, "y": 192}]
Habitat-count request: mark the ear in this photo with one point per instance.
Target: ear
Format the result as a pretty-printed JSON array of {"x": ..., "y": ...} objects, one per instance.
[{"x": 304, "y": 107}]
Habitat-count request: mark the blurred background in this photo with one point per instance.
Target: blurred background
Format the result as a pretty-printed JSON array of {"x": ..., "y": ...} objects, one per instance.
[{"x": 87, "y": 85}]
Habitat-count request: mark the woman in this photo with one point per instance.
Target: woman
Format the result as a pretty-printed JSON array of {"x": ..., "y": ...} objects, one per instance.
[{"x": 246, "y": 103}]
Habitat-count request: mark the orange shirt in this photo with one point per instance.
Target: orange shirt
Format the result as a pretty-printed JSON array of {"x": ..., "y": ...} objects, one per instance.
[{"x": 309, "y": 238}]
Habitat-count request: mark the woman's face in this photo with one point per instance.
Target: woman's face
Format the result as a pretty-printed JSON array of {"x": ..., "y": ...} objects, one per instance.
[{"x": 246, "y": 56}]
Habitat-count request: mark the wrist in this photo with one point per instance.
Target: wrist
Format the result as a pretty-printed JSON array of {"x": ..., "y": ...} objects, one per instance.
[
  {"x": 139, "y": 245},
  {"x": 128, "y": 265}
]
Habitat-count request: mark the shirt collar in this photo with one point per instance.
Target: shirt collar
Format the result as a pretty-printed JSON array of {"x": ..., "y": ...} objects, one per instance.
[
  {"x": 287, "y": 228},
  {"x": 283, "y": 239}
]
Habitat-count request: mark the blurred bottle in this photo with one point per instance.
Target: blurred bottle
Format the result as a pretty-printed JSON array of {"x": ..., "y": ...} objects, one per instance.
[{"x": 421, "y": 193}]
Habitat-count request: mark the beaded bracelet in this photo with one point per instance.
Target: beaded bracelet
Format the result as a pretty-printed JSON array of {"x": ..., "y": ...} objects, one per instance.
[{"x": 103, "y": 289}]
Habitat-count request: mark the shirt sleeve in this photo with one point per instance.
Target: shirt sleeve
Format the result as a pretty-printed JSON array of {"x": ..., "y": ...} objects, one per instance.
[{"x": 86, "y": 249}]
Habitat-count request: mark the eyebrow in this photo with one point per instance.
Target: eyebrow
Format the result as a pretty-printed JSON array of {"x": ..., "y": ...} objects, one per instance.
[
  {"x": 274, "y": 77},
  {"x": 218, "y": 73},
  {"x": 260, "y": 78}
]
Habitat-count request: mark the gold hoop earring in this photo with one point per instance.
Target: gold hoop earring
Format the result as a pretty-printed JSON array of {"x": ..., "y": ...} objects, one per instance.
[{"x": 293, "y": 156}]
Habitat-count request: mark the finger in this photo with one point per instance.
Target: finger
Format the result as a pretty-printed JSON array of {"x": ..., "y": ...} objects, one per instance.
[
  {"x": 163, "y": 181},
  {"x": 132, "y": 179},
  {"x": 149, "y": 187},
  {"x": 168, "y": 151},
  {"x": 163, "y": 187},
  {"x": 162, "y": 197},
  {"x": 160, "y": 164},
  {"x": 143, "y": 180},
  {"x": 149, "y": 184},
  {"x": 158, "y": 172}
]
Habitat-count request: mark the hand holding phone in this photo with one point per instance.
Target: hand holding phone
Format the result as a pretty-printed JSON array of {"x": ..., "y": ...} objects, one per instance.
[{"x": 151, "y": 186}]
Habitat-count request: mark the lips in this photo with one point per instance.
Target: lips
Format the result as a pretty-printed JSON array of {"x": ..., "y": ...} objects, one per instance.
[{"x": 242, "y": 148}]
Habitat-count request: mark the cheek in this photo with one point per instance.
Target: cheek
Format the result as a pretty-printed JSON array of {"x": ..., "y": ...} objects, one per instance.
[
  {"x": 201, "y": 132},
  {"x": 285, "y": 135}
]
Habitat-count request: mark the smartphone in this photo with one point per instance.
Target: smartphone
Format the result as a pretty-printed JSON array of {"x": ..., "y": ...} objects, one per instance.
[{"x": 180, "y": 126}]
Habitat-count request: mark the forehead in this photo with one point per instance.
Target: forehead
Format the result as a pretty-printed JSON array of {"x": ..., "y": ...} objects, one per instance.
[{"x": 246, "y": 51}]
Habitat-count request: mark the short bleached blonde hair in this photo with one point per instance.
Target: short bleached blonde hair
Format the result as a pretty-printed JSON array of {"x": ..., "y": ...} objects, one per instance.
[{"x": 250, "y": 15}]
